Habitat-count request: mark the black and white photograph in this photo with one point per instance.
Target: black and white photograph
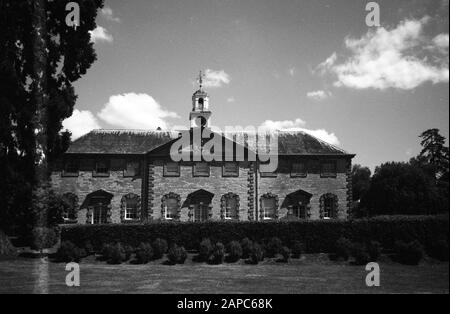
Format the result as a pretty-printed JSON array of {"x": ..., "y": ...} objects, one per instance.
[{"x": 224, "y": 153}]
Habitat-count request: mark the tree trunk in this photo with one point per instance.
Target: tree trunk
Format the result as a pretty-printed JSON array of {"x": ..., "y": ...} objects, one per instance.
[{"x": 40, "y": 97}]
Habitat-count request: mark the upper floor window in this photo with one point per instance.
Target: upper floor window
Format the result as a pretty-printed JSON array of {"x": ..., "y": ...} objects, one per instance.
[
  {"x": 328, "y": 169},
  {"x": 231, "y": 169},
  {"x": 171, "y": 169},
  {"x": 299, "y": 169},
  {"x": 101, "y": 169},
  {"x": 71, "y": 168},
  {"x": 201, "y": 169},
  {"x": 132, "y": 169},
  {"x": 269, "y": 174}
]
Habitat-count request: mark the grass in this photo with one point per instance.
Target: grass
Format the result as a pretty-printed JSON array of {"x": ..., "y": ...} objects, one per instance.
[{"x": 311, "y": 274}]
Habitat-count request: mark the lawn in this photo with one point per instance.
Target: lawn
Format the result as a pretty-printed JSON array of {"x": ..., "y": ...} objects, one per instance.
[{"x": 311, "y": 274}]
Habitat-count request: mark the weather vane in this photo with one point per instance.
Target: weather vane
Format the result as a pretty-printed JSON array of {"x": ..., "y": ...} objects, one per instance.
[{"x": 200, "y": 79}]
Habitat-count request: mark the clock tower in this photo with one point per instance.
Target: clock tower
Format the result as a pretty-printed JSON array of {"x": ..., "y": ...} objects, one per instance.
[{"x": 200, "y": 115}]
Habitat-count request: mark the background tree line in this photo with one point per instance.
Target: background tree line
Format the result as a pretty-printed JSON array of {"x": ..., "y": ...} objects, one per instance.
[
  {"x": 40, "y": 59},
  {"x": 417, "y": 187}
]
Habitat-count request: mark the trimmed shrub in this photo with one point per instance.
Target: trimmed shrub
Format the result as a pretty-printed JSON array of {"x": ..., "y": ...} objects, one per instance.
[
  {"x": 118, "y": 254},
  {"x": 439, "y": 250},
  {"x": 43, "y": 238},
  {"x": 159, "y": 248},
  {"x": 6, "y": 248},
  {"x": 374, "y": 250},
  {"x": 89, "y": 248},
  {"x": 343, "y": 249},
  {"x": 360, "y": 254},
  {"x": 234, "y": 251},
  {"x": 408, "y": 253},
  {"x": 246, "y": 245},
  {"x": 205, "y": 250},
  {"x": 297, "y": 249},
  {"x": 217, "y": 254},
  {"x": 318, "y": 236},
  {"x": 274, "y": 247},
  {"x": 256, "y": 254},
  {"x": 177, "y": 255},
  {"x": 107, "y": 251},
  {"x": 285, "y": 253},
  {"x": 69, "y": 252},
  {"x": 144, "y": 253}
]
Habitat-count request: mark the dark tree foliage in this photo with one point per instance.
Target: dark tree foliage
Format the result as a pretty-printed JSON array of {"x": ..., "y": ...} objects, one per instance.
[
  {"x": 401, "y": 188},
  {"x": 35, "y": 39},
  {"x": 361, "y": 177}
]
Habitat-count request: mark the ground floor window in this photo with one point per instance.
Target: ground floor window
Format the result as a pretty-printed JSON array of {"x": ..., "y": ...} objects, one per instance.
[
  {"x": 230, "y": 206},
  {"x": 70, "y": 207},
  {"x": 269, "y": 206},
  {"x": 130, "y": 207},
  {"x": 328, "y": 206},
  {"x": 171, "y": 204}
]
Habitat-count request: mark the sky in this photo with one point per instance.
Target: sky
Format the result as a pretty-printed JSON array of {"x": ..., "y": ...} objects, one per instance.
[{"x": 304, "y": 65}]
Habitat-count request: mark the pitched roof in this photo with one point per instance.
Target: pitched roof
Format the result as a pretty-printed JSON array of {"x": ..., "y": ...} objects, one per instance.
[
  {"x": 141, "y": 142},
  {"x": 120, "y": 142}
]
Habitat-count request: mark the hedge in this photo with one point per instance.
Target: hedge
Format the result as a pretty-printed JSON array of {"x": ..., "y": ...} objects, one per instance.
[{"x": 316, "y": 236}]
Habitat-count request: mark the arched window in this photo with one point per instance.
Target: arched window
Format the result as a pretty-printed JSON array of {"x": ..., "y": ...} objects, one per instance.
[
  {"x": 328, "y": 206},
  {"x": 171, "y": 206},
  {"x": 201, "y": 104},
  {"x": 269, "y": 206},
  {"x": 230, "y": 206},
  {"x": 70, "y": 207},
  {"x": 130, "y": 207}
]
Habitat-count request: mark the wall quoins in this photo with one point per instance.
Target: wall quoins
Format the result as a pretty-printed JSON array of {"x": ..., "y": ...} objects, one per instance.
[
  {"x": 349, "y": 191},
  {"x": 251, "y": 192},
  {"x": 151, "y": 190}
]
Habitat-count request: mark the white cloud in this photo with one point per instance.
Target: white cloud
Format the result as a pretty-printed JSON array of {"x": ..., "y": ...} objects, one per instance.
[
  {"x": 231, "y": 100},
  {"x": 393, "y": 58},
  {"x": 292, "y": 71},
  {"x": 297, "y": 126},
  {"x": 216, "y": 78},
  {"x": 318, "y": 95},
  {"x": 80, "y": 123},
  {"x": 135, "y": 111},
  {"x": 101, "y": 34},
  {"x": 282, "y": 125},
  {"x": 108, "y": 14},
  {"x": 441, "y": 41}
]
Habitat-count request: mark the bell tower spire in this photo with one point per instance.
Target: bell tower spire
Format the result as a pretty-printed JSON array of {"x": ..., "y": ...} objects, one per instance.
[{"x": 200, "y": 115}]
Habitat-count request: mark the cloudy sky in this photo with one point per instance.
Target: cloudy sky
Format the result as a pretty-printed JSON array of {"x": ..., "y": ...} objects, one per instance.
[{"x": 289, "y": 64}]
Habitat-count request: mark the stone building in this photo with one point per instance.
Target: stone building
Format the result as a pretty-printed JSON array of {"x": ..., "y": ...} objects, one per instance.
[{"x": 127, "y": 176}]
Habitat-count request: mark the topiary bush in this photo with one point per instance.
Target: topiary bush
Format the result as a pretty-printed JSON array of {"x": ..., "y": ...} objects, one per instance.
[
  {"x": 217, "y": 254},
  {"x": 144, "y": 253},
  {"x": 408, "y": 253},
  {"x": 343, "y": 249},
  {"x": 6, "y": 248},
  {"x": 297, "y": 249},
  {"x": 177, "y": 255},
  {"x": 274, "y": 247},
  {"x": 69, "y": 252},
  {"x": 439, "y": 250},
  {"x": 159, "y": 248},
  {"x": 117, "y": 254},
  {"x": 246, "y": 245},
  {"x": 360, "y": 254},
  {"x": 205, "y": 250},
  {"x": 89, "y": 248},
  {"x": 374, "y": 250},
  {"x": 234, "y": 251},
  {"x": 43, "y": 238},
  {"x": 256, "y": 254},
  {"x": 285, "y": 253},
  {"x": 106, "y": 251}
]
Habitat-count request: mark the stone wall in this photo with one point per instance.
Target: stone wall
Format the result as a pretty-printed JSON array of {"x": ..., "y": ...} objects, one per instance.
[
  {"x": 86, "y": 183},
  {"x": 186, "y": 184},
  {"x": 284, "y": 184}
]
